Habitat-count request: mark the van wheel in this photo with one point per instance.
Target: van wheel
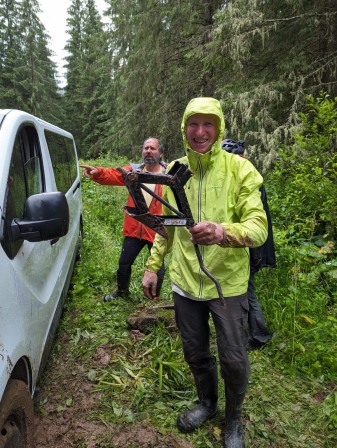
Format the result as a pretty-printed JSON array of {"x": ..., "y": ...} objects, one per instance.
[{"x": 16, "y": 416}]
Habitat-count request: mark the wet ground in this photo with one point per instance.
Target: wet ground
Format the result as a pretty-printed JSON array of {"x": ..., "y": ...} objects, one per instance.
[{"x": 64, "y": 401}]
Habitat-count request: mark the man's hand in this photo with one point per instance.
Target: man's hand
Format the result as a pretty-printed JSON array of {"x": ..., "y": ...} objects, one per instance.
[
  {"x": 150, "y": 284},
  {"x": 89, "y": 171},
  {"x": 207, "y": 233}
]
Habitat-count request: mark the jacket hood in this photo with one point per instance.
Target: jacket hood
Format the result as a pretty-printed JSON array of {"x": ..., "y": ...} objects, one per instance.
[{"x": 204, "y": 106}]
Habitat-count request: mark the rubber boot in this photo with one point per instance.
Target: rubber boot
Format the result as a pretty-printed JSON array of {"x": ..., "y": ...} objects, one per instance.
[
  {"x": 234, "y": 435},
  {"x": 207, "y": 388},
  {"x": 160, "y": 280},
  {"x": 123, "y": 282}
]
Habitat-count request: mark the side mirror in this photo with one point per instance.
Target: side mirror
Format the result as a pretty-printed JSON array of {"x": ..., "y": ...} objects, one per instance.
[{"x": 45, "y": 217}]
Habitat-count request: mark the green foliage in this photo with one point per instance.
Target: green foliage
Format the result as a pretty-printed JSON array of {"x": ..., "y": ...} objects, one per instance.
[
  {"x": 271, "y": 68},
  {"x": 133, "y": 77},
  {"x": 303, "y": 185},
  {"x": 302, "y": 309},
  {"x": 159, "y": 64},
  {"x": 300, "y": 299}
]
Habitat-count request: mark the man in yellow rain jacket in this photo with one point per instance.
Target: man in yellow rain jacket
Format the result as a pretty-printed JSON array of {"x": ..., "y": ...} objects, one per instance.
[{"x": 226, "y": 203}]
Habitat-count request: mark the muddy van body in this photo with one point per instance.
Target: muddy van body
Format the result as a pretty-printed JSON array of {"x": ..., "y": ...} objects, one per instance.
[{"x": 40, "y": 235}]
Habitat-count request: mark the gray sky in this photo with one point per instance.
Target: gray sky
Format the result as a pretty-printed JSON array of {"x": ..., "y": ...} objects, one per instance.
[{"x": 53, "y": 17}]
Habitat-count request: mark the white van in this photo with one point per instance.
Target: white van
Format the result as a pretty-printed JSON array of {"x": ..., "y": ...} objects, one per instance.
[{"x": 40, "y": 235}]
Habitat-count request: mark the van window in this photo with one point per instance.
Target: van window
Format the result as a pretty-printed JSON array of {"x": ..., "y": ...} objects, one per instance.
[
  {"x": 63, "y": 158},
  {"x": 25, "y": 178}
]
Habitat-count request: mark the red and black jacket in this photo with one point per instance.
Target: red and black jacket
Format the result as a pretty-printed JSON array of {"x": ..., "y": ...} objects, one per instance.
[{"x": 131, "y": 227}]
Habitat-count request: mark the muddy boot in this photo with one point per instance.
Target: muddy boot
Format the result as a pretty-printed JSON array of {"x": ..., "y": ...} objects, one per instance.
[
  {"x": 207, "y": 388},
  {"x": 234, "y": 435},
  {"x": 123, "y": 282},
  {"x": 160, "y": 280}
]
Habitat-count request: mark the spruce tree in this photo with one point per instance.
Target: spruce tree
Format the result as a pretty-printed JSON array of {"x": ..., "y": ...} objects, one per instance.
[
  {"x": 159, "y": 48},
  {"x": 28, "y": 75},
  {"x": 259, "y": 57},
  {"x": 276, "y": 52},
  {"x": 74, "y": 66},
  {"x": 88, "y": 77},
  {"x": 96, "y": 80},
  {"x": 11, "y": 56}
]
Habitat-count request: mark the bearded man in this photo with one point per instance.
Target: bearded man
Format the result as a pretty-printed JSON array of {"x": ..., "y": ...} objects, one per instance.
[{"x": 136, "y": 235}]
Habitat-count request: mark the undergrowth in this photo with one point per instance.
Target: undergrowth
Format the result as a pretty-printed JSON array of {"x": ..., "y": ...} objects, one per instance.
[{"x": 292, "y": 397}]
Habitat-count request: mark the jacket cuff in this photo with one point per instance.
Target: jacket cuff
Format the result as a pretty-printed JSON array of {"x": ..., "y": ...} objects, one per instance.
[{"x": 223, "y": 243}]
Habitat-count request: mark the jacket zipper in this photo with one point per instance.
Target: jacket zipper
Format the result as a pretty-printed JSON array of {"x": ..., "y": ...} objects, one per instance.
[{"x": 201, "y": 283}]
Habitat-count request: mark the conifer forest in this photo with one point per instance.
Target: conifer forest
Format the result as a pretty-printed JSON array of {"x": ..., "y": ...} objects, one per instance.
[
  {"x": 129, "y": 74},
  {"x": 133, "y": 75}
]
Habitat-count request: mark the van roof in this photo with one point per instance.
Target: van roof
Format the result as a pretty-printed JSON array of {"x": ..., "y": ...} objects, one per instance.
[{"x": 17, "y": 112}]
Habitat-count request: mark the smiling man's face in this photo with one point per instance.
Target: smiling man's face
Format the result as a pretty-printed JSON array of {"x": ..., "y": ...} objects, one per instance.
[{"x": 202, "y": 132}]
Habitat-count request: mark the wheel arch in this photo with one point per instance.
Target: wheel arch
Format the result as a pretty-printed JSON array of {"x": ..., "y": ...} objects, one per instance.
[{"x": 22, "y": 371}]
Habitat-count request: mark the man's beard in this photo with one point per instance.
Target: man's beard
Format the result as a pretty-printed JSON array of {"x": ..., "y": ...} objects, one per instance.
[{"x": 151, "y": 161}]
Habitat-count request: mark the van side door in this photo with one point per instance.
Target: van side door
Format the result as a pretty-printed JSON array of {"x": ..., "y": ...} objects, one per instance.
[{"x": 36, "y": 265}]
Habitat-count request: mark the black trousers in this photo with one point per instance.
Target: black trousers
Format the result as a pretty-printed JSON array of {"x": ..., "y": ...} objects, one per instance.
[
  {"x": 256, "y": 323},
  {"x": 130, "y": 250},
  {"x": 230, "y": 324}
]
